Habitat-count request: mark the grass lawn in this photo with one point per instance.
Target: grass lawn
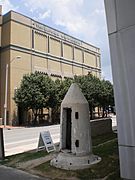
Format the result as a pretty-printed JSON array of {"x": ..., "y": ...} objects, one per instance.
[
  {"x": 104, "y": 146},
  {"x": 23, "y": 157}
]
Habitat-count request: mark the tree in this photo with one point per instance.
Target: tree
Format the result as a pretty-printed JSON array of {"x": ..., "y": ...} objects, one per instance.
[
  {"x": 61, "y": 88},
  {"x": 37, "y": 91},
  {"x": 99, "y": 93},
  {"x": 106, "y": 96},
  {"x": 90, "y": 86}
]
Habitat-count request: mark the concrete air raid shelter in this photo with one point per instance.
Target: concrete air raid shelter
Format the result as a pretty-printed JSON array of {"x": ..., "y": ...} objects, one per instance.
[{"x": 75, "y": 137}]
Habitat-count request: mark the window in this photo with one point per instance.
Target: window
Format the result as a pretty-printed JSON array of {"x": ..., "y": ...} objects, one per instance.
[
  {"x": 77, "y": 143},
  {"x": 32, "y": 39},
  {"x": 76, "y": 115}
]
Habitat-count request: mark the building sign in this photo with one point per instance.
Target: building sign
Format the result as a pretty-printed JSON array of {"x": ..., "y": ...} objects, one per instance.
[
  {"x": 45, "y": 141},
  {"x": 56, "y": 33},
  {"x": 63, "y": 36}
]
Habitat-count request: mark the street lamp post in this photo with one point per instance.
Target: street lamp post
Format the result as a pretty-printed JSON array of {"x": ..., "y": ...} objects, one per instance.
[{"x": 6, "y": 90}]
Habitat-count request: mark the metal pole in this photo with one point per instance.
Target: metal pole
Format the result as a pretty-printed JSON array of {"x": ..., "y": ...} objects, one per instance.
[{"x": 6, "y": 92}]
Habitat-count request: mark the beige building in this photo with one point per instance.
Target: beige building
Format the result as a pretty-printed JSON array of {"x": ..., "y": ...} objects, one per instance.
[{"x": 42, "y": 49}]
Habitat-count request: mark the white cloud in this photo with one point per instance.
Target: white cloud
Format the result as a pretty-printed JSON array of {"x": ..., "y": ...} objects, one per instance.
[
  {"x": 45, "y": 15},
  {"x": 6, "y": 6},
  {"x": 68, "y": 14},
  {"x": 83, "y": 19}
]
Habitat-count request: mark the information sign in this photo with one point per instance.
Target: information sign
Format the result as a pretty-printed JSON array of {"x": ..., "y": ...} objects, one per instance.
[{"x": 45, "y": 141}]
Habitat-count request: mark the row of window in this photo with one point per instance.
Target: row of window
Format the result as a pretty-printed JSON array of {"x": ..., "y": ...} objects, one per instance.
[{"x": 61, "y": 49}]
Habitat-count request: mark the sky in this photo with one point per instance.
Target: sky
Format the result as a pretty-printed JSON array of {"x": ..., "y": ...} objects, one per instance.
[{"x": 83, "y": 19}]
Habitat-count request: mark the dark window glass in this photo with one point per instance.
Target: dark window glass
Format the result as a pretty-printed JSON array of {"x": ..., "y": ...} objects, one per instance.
[
  {"x": 76, "y": 115},
  {"x": 77, "y": 143}
]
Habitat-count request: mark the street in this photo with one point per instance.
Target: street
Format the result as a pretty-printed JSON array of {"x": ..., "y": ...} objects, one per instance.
[{"x": 18, "y": 140}]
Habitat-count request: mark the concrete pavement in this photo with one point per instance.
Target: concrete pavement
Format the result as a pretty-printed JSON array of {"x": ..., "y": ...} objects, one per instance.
[
  {"x": 8, "y": 173},
  {"x": 18, "y": 140}
]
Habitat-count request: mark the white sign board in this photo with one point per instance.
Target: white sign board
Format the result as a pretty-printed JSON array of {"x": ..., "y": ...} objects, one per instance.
[{"x": 45, "y": 141}]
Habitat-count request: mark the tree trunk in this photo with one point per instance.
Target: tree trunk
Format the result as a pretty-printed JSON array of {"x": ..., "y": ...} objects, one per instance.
[
  {"x": 35, "y": 112},
  {"x": 91, "y": 112},
  {"x": 56, "y": 115},
  {"x": 98, "y": 111},
  {"x": 104, "y": 112}
]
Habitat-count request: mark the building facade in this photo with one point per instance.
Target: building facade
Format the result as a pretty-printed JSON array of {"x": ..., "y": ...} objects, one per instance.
[{"x": 41, "y": 49}]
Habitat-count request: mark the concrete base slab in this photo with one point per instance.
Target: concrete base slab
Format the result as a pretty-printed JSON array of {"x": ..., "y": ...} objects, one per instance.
[{"x": 69, "y": 161}]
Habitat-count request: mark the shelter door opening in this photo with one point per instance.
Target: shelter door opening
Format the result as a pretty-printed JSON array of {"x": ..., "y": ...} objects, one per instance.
[{"x": 68, "y": 128}]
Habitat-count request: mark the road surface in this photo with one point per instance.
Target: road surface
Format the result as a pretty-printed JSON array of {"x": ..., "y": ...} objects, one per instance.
[{"x": 18, "y": 140}]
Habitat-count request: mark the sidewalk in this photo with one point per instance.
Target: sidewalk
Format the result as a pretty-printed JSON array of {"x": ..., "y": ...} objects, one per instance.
[
  {"x": 11, "y": 127},
  {"x": 7, "y": 173}
]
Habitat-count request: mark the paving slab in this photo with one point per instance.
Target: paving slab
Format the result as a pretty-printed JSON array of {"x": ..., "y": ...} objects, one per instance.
[{"x": 7, "y": 173}]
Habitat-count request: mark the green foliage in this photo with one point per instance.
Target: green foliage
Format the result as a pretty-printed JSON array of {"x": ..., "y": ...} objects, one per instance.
[
  {"x": 97, "y": 92},
  {"x": 36, "y": 91},
  {"x": 61, "y": 88},
  {"x": 100, "y": 139},
  {"x": 90, "y": 86},
  {"x": 106, "y": 97}
]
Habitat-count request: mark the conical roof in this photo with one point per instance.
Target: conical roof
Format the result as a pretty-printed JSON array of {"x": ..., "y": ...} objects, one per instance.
[{"x": 74, "y": 96}]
